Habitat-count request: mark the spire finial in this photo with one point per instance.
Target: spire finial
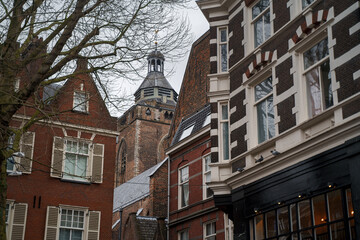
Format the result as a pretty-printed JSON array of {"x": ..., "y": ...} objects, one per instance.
[{"x": 156, "y": 36}]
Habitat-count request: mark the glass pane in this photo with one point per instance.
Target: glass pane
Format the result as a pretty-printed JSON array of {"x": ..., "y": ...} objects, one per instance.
[
  {"x": 261, "y": 118},
  {"x": 270, "y": 224},
  {"x": 321, "y": 233},
  {"x": 335, "y": 205},
  {"x": 304, "y": 214},
  {"x": 263, "y": 89},
  {"x": 259, "y": 227},
  {"x": 267, "y": 29},
  {"x": 81, "y": 166},
  {"x": 259, "y": 7},
  {"x": 338, "y": 231},
  {"x": 258, "y": 32},
  {"x": 352, "y": 229},
  {"x": 326, "y": 84},
  {"x": 293, "y": 212},
  {"x": 306, "y": 235},
  {"x": 283, "y": 220},
  {"x": 184, "y": 174},
  {"x": 10, "y": 164},
  {"x": 84, "y": 148},
  {"x": 207, "y": 162},
  {"x": 223, "y": 37},
  {"x": 306, "y": 3},
  {"x": 224, "y": 112},
  {"x": 210, "y": 229},
  {"x": 70, "y": 163},
  {"x": 76, "y": 235},
  {"x": 350, "y": 207},
  {"x": 316, "y": 53},
  {"x": 319, "y": 209},
  {"x": 225, "y": 128},
  {"x": 185, "y": 194},
  {"x": 223, "y": 57},
  {"x": 64, "y": 234},
  {"x": 270, "y": 117},
  {"x": 314, "y": 92}
]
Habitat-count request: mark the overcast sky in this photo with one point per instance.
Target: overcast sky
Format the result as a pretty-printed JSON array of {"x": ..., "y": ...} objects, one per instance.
[{"x": 199, "y": 26}]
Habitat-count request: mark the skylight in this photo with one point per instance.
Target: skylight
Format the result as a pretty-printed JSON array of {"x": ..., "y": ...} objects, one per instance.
[{"x": 186, "y": 132}]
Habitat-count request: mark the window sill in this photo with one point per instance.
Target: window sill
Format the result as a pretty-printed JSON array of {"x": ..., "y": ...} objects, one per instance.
[
  {"x": 81, "y": 112},
  {"x": 75, "y": 181}
]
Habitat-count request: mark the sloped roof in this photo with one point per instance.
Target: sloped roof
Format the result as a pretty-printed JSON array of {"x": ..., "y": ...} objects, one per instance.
[
  {"x": 155, "y": 79},
  {"x": 135, "y": 189},
  {"x": 197, "y": 120}
]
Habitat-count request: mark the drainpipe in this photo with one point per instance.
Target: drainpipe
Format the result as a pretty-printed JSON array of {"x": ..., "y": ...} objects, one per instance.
[
  {"x": 168, "y": 206},
  {"x": 120, "y": 223}
]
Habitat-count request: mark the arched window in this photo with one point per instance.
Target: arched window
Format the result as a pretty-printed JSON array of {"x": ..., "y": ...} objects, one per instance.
[
  {"x": 158, "y": 65},
  {"x": 153, "y": 65},
  {"x": 121, "y": 163}
]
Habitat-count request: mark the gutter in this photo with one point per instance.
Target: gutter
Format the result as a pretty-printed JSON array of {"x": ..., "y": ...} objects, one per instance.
[{"x": 168, "y": 205}]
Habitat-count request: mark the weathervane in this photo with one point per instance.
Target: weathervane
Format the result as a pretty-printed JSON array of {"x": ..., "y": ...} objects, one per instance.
[{"x": 156, "y": 37}]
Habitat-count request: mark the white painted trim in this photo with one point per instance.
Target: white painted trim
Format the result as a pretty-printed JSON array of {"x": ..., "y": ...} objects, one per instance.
[
  {"x": 356, "y": 75},
  {"x": 346, "y": 12},
  {"x": 213, "y": 59},
  {"x": 213, "y": 41},
  {"x": 100, "y": 131},
  {"x": 219, "y": 23},
  {"x": 354, "y": 28},
  {"x": 346, "y": 56}
]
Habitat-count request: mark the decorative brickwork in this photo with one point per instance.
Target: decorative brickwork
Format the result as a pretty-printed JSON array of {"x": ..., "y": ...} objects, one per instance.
[
  {"x": 285, "y": 79},
  {"x": 287, "y": 119}
]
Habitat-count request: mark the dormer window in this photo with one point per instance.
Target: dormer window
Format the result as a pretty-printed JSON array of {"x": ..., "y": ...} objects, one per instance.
[{"x": 80, "y": 102}]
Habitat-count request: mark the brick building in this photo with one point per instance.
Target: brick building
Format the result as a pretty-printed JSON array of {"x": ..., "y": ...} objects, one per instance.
[
  {"x": 140, "y": 205},
  {"x": 285, "y": 102},
  {"x": 192, "y": 211},
  {"x": 144, "y": 127},
  {"x": 53, "y": 192}
]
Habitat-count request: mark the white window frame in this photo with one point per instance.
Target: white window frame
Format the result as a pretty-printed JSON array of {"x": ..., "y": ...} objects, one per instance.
[
  {"x": 71, "y": 228},
  {"x": 88, "y": 162},
  {"x": 78, "y": 106},
  {"x": 222, "y": 122},
  {"x": 305, "y": 82},
  {"x": 211, "y": 236},
  {"x": 180, "y": 184},
  {"x": 186, "y": 231},
  {"x": 221, "y": 43},
  {"x": 252, "y": 21},
  {"x": 259, "y": 101},
  {"x": 9, "y": 216},
  {"x": 206, "y": 172},
  {"x": 229, "y": 227}
]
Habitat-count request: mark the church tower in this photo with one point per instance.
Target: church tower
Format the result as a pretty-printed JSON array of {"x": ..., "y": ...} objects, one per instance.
[{"x": 144, "y": 127}]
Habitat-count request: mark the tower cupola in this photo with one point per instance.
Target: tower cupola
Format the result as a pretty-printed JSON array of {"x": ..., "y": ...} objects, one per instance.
[{"x": 155, "y": 86}]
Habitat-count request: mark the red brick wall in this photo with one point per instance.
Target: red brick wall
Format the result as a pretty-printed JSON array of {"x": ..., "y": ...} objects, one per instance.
[{"x": 195, "y": 85}]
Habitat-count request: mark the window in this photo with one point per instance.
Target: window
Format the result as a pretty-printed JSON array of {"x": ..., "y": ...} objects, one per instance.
[
  {"x": 77, "y": 160},
  {"x": 80, "y": 102},
  {"x": 207, "y": 120},
  {"x": 317, "y": 217},
  {"x": 264, "y": 110},
  {"x": 15, "y": 219},
  {"x": 207, "y": 192},
  {"x": 210, "y": 231},
  {"x": 229, "y": 228},
  {"x": 223, "y": 50},
  {"x": 72, "y": 223},
  {"x": 224, "y": 131},
  {"x": 306, "y": 3},
  {"x": 318, "y": 78},
  {"x": 261, "y": 21},
  {"x": 184, "y": 235},
  {"x": 184, "y": 186},
  {"x": 186, "y": 132},
  {"x": 16, "y": 164}
]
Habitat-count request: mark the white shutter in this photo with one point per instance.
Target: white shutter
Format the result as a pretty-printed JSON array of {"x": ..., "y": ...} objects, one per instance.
[
  {"x": 52, "y": 219},
  {"x": 27, "y": 147},
  {"x": 97, "y": 163},
  {"x": 57, "y": 157},
  {"x": 19, "y": 221},
  {"x": 94, "y": 225}
]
